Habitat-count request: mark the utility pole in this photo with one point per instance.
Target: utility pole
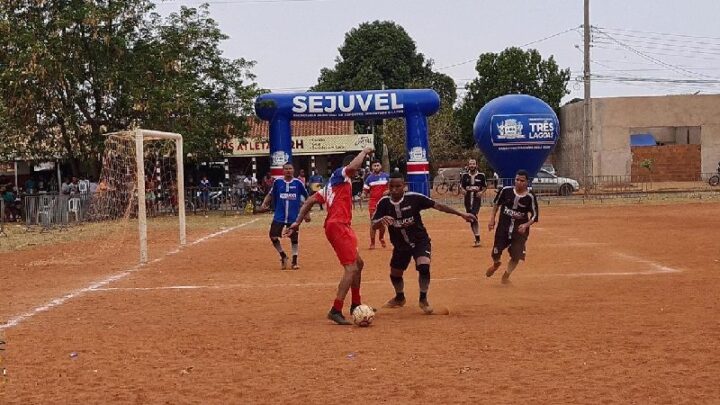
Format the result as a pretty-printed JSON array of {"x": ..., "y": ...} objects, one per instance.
[{"x": 587, "y": 118}]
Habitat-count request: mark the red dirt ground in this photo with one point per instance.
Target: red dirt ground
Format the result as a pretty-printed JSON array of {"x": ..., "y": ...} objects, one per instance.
[{"x": 614, "y": 305}]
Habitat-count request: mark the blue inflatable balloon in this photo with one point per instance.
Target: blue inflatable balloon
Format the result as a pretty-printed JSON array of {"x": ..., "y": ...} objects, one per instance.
[{"x": 516, "y": 132}]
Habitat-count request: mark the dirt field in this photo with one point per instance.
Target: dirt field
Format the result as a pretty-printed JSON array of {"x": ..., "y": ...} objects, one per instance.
[{"x": 615, "y": 304}]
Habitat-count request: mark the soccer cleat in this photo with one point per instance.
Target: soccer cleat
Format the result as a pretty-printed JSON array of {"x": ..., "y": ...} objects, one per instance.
[
  {"x": 283, "y": 263},
  {"x": 382, "y": 243},
  {"x": 295, "y": 266},
  {"x": 476, "y": 244},
  {"x": 425, "y": 306},
  {"x": 492, "y": 269},
  {"x": 372, "y": 246},
  {"x": 395, "y": 303},
  {"x": 505, "y": 278},
  {"x": 337, "y": 317}
]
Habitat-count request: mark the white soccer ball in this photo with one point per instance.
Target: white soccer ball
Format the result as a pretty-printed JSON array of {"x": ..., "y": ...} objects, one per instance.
[{"x": 363, "y": 315}]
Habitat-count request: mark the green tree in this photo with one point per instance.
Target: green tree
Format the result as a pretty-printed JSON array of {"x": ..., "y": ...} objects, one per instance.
[
  {"x": 381, "y": 53},
  {"x": 443, "y": 139},
  {"x": 511, "y": 71},
  {"x": 73, "y": 71}
]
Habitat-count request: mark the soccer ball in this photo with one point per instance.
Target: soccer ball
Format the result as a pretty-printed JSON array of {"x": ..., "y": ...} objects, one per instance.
[{"x": 363, "y": 315}]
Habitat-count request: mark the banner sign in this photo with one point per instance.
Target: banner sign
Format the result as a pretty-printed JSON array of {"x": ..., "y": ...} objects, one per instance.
[
  {"x": 307, "y": 145},
  {"x": 523, "y": 131}
]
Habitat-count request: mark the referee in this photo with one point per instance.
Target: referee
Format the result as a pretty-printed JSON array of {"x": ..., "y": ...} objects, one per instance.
[{"x": 473, "y": 183}]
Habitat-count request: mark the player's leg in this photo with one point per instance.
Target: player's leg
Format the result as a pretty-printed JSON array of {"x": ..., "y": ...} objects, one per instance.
[
  {"x": 344, "y": 242},
  {"x": 517, "y": 253},
  {"x": 422, "y": 253},
  {"x": 501, "y": 243},
  {"x": 475, "y": 225},
  {"x": 294, "y": 241},
  {"x": 382, "y": 236},
  {"x": 398, "y": 263},
  {"x": 355, "y": 299},
  {"x": 469, "y": 201},
  {"x": 372, "y": 230},
  {"x": 276, "y": 229}
]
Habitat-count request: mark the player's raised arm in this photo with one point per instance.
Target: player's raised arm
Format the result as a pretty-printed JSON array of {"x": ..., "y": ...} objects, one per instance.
[{"x": 357, "y": 162}]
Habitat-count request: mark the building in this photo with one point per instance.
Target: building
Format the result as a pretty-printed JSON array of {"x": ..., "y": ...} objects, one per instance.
[
  {"x": 686, "y": 129},
  {"x": 317, "y": 146}
]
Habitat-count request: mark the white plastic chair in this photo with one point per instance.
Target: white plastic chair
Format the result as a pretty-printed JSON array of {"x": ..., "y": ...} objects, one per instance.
[{"x": 74, "y": 207}]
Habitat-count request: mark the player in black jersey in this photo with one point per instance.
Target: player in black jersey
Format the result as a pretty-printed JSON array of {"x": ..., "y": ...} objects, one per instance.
[
  {"x": 473, "y": 184},
  {"x": 518, "y": 211},
  {"x": 400, "y": 212}
]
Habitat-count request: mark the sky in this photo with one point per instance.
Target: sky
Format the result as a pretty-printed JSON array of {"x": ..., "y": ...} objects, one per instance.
[{"x": 640, "y": 47}]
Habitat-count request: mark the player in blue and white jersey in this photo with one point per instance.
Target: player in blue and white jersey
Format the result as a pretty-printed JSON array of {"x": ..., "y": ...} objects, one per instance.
[{"x": 288, "y": 193}]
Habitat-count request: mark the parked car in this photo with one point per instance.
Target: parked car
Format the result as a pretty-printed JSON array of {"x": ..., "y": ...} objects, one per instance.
[
  {"x": 549, "y": 168},
  {"x": 548, "y": 183}
]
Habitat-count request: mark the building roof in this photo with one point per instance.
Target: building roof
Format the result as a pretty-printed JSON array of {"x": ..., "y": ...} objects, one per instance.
[{"x": 261, "y": 129}]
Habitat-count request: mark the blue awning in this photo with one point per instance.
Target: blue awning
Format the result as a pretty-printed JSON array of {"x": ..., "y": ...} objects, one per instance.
[{"x": 642, "y": 140}]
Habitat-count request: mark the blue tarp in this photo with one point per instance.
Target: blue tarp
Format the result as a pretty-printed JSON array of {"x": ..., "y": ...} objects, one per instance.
[{"x": 642, "y": 140}]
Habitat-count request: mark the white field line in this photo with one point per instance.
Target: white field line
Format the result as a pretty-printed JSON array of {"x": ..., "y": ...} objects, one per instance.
[
  {"x": 14, "y": 321},
  {"x": 249, "y": 286}
]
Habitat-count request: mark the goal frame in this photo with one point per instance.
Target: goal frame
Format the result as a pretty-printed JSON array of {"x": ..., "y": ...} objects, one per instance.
[{"x": 141, "y": 135}]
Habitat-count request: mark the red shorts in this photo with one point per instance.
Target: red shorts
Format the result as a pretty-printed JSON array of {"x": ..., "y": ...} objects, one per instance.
[{"x": 343, "y": 240}]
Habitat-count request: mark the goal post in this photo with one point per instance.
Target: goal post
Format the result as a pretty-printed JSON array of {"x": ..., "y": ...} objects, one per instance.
[{"x": 118, "y": 176}]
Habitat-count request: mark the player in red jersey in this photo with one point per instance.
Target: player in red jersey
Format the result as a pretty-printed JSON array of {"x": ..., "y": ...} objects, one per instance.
[
  {"x": 337, "y": 196},
  {"x": 376, "y": 186}
]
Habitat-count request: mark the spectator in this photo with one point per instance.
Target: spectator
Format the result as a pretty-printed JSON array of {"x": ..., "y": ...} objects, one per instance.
[
  {"x": 74, "y": 186},
  {"x": 204, "y": 192},
  {"x": 150, "y": 196},
  {"x": 65, "y": 187},
  {"x": 30, "y": 186},
  {"x": 9, "y": 198},
  {"x": 267, "y": 183},
  {"x": 302, "y": 178},
  {"x": 316, "y": 183}
]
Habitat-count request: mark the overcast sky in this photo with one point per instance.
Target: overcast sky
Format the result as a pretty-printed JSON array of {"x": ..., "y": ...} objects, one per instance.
[{"x": 642, "y": 47}]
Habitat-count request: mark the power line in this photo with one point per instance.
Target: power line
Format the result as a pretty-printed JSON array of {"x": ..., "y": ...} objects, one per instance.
[
  {"x": 600, "y": 45},
  {"x": 520, "y": 46},
  {"x": 650, "y": 58},
  {"x": 683, "y": 50},
  {"x": 657, "y": 33},
  {"x": 672, "y": 42}
]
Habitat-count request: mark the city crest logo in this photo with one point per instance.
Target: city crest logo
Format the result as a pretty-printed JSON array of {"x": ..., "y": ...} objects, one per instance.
[{"x": 510, "y": 129}]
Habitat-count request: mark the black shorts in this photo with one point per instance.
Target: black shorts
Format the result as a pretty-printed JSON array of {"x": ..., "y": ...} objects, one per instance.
[
  {"x": 401, "y": 257},
  {"x": 515, "y": 244},
  {"x": 472, "y": 203},
  {"x": 276, "y": 230}
]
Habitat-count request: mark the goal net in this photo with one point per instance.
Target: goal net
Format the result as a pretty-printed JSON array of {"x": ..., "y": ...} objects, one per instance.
[{"x": 142, "y": 176}]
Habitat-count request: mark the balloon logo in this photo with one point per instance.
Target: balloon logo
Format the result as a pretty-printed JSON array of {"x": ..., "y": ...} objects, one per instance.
[{"x": 516, "y": 132}]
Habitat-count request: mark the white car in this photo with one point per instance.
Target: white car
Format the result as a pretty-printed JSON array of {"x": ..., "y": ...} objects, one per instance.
[{"x": 548, "y": 183}]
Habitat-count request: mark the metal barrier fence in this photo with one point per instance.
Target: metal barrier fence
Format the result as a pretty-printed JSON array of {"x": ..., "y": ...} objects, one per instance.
[{"x": 53, "y": 210}]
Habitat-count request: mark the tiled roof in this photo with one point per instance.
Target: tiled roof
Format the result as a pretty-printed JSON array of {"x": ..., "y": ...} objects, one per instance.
[{"x": 261, "y": 129}]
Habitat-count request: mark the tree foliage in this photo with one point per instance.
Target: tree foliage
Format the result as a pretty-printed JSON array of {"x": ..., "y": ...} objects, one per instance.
[
  {"x": 381, "y": 53},
  {"x": 511, "y": 71},
  {"x": 71, "y": 71},
  {"x": 443, "y": 139}
]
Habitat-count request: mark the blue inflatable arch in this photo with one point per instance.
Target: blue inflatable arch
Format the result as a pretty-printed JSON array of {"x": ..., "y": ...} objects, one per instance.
[{"x": 414, "y": 105}]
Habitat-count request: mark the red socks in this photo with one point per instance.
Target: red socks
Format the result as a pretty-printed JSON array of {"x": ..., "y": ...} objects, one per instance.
[{"x": 338, "y": 304}]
